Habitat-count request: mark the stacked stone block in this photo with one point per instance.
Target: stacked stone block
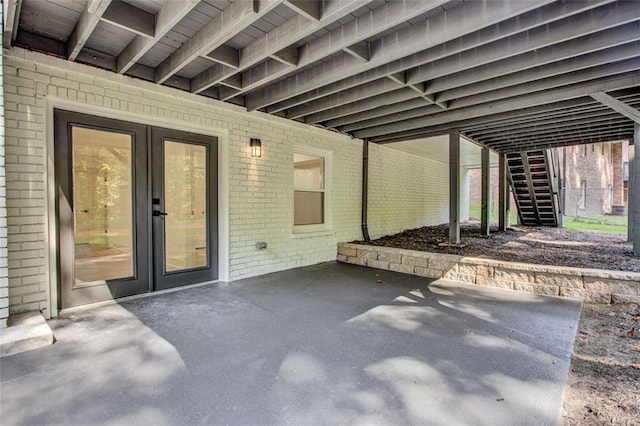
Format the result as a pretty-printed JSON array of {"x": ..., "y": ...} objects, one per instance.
[{"x": 588, "y": 285}]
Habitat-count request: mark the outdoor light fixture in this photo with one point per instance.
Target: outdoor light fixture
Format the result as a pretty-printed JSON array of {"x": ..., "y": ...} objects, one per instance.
[{"x": 256, "y": 147}]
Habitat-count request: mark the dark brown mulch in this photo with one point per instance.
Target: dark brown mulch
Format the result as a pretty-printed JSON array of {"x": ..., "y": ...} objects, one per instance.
[{"x": 541, "y": 245}]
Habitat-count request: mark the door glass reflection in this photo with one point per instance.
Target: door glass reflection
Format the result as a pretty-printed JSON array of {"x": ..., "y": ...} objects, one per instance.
[
  {"x": 185, "y": 198},
  {"x": 102, "y": 209}
]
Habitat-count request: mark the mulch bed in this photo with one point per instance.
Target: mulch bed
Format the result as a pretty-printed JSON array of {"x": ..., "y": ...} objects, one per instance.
[{"x": 540, "y": 245}]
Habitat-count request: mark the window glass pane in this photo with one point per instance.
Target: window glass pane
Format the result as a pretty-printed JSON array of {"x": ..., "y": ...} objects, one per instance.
[
  {"x": 102, "y": 211},
  {"x": 308, "y": 208},
  {"x": 308, "y": 172},
  {"x": 185, "y": 198}
]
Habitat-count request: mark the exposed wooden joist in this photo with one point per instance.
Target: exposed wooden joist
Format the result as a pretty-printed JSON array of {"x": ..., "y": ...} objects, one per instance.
[
  {"x": 531, "y": 87},
  {"x": 233, "y": 19},
  {"x": 167, "y": 17},
  {"x": 369, "y": 104},
  {"x": 579, "y": 25},
  {"x": 278, "y": 39},
  {"x": 549, "y": 120},
  {"x": 567, "y": 134},
  {"x": 490, "y": 86},
  {"x": 604, "y": 135},
  {"x": 347, "y": 37},
  {"x": 225, "y": 55},
  {"x": 85, "y": 26},
  {"x": 311, "y": 9},
  {"x": 618, "y": 106},
  {"x": 560, "y": 144},
  {"x": 537, "y": 57},
  {"x": 539, "y": 132},
  {"x": 576, "y": 26},
  {"x": 517, "y": 118},
  {"x": 11, "y": 13},
  {"x": 412, "y": 47},
  {"x": 130, "y": 18},
  {"x": 288, "y": 56},
  {"x": 381, "y": 86},
  {"x": 468, "y": 42},
  {"x": 359, "y": 51},
  {"x": 510, "y": 104},
  {"x": 361, "y": 120},
  {"x": 573, "y": 65}
]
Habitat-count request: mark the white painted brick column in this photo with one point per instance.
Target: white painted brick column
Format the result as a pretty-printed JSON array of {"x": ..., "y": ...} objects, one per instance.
[{"x": 4, "y": 275}]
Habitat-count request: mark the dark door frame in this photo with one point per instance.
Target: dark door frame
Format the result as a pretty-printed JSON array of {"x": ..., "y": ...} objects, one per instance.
[{"x": 143, "y": 280}]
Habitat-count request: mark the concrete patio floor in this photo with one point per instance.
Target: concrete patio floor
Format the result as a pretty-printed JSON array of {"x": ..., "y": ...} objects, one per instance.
[{"x": 326, "y": 344}]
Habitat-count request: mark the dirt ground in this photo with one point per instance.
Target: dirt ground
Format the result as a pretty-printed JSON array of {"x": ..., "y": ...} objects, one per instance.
[{"x": 604, "y": 381}]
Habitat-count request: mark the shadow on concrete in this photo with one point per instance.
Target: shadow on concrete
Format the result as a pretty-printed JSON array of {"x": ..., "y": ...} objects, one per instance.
[{"x": 327, "y": 344}]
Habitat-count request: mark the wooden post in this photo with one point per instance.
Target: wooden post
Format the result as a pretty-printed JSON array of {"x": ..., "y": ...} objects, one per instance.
[
  {"x": 503, "y": 194},
  {"x": 634, "y": 199},
  {"x": 486, "y": 192},
  {"x": 454, "y": 187}
]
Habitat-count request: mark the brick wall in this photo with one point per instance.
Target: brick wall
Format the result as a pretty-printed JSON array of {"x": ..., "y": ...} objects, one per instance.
[
  {"x": 618, "y": 151},
  {"x": 405, "y": 191},
  {"x": 260, "y": 190},
  {"x": 592, "y": 164},
  {"x": 4, "y": 280}
]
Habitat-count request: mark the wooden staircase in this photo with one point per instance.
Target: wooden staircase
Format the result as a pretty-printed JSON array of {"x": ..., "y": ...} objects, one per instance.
[{"x": 533, "y": 181}]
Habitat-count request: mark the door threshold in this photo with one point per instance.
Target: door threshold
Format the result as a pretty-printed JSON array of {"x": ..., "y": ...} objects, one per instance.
[{"x": 89, "y": 306}]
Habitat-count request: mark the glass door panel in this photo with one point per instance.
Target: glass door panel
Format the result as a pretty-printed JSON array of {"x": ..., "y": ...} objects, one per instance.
[
  {"x": 185, "y": 195},
  {"x": 102, "y": 208},
  {"x": 102, "y": 179},
  {"x": 184, "y": 202}
]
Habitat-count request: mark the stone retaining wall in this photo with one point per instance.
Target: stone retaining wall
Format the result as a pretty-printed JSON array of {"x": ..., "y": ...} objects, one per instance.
[{"x": 589, "y": 285}]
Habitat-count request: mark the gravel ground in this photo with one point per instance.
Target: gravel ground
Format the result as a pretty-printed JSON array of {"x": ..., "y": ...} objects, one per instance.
[{"x": 604, "y": 382}]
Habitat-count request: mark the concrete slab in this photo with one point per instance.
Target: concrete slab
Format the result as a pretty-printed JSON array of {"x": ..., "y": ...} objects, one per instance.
[
  {"x": 25, "y": 332},
  {"x": 328, "y": 344}
]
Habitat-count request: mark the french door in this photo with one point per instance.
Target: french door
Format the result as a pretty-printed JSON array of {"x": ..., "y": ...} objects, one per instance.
[{"x": 136, "y": 208}]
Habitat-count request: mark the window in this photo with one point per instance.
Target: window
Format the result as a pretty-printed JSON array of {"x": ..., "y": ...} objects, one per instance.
[
  {"x": 583, "y": 150},
  {"x": 582, "y": 196},
  {"x": 310, "y": 195},
  {"x": 625, "y": 171}
]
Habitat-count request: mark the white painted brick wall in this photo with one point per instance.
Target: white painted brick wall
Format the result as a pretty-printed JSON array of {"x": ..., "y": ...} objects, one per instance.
[
  {"x": 405, "y": 191},
  {"x": 260, "y": 190},
  {"x": 4, "y": 271}
]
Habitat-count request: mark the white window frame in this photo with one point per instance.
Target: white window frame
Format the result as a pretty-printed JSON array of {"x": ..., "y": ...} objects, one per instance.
[
  {"x": 582, "y": 195},
  {"x": 327, "y": 175}
]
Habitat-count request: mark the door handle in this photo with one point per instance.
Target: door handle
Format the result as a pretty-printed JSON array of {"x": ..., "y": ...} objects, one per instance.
[{"x": 158, "y": 213}]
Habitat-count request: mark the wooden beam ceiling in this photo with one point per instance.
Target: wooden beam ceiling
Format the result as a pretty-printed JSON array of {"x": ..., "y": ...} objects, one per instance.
[{"x": 509, "y": 74}]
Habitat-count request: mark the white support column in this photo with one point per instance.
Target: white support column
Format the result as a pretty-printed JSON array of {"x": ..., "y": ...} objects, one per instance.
[{"x": 454, "y": 187}]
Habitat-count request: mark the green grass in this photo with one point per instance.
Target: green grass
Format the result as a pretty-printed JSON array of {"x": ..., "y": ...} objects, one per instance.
[{"x": 608, "y": 224}]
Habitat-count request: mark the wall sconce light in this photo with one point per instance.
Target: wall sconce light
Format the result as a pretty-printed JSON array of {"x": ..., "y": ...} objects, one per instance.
[{"x": 256, "y": 147}]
